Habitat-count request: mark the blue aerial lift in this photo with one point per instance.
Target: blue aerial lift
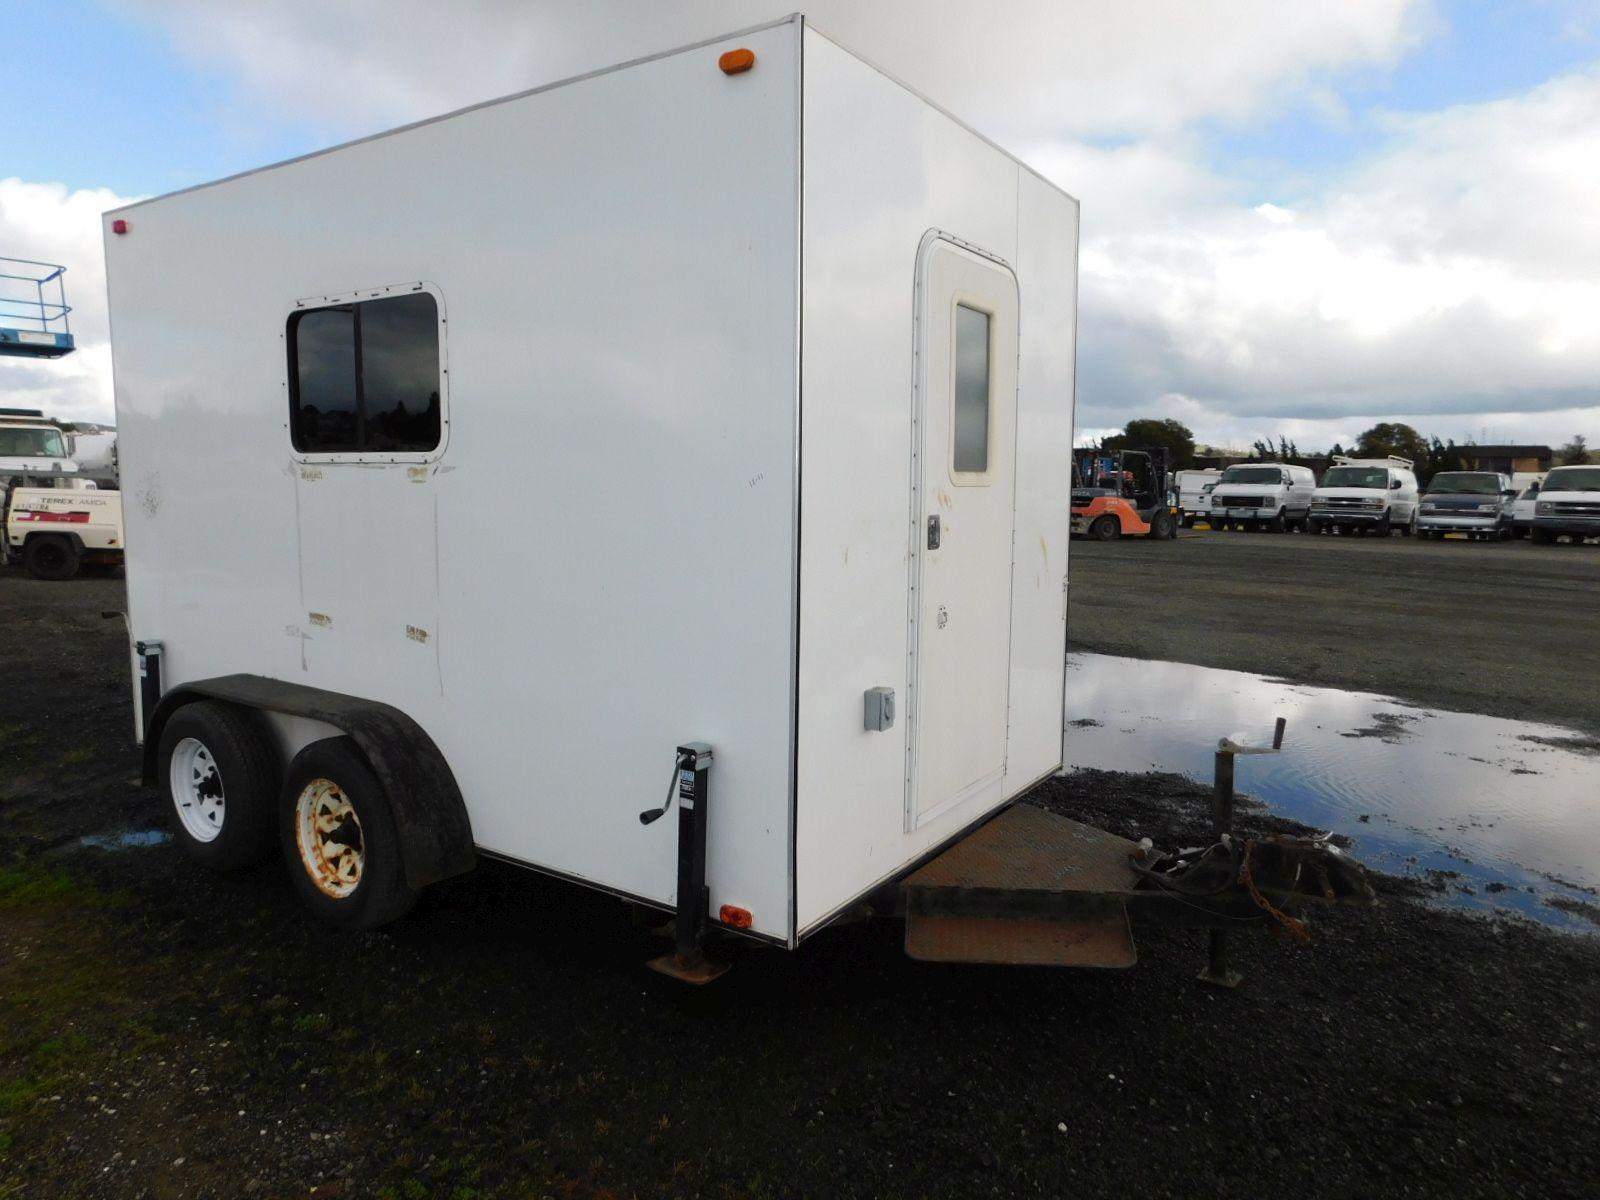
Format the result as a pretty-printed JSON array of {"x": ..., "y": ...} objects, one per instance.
[{"x": 31, "y": 324}]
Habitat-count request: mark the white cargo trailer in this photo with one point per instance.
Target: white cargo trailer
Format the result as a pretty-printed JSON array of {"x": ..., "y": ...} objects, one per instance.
[{"x": 475, "y": 468}]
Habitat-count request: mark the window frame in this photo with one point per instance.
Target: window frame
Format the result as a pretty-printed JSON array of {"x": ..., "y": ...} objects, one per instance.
[
  {"x": 291, "y": 377},
  {"x": 987, "y": 307}
]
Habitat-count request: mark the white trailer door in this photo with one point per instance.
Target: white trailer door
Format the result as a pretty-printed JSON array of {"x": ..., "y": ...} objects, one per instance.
[{"x": 964, "y": 447}]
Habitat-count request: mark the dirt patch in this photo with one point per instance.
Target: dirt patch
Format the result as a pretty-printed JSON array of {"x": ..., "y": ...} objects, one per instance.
[
  {"x": 506, "y": 1040},
  {"x": 1388, "y": 727},
  {"x": 1578, "y": 745}
]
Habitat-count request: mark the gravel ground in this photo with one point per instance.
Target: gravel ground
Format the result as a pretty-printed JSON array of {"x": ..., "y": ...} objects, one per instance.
[
  {"x": 169, "y": 1033},
  {"x": 1502, "y": 628}
]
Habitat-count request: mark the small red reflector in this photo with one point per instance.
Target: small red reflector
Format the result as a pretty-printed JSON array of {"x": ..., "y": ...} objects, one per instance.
[
  {"x": 736, "y": 61},
  {"x": 119, "y": 226},
  {"x": 738, "y": 918}
]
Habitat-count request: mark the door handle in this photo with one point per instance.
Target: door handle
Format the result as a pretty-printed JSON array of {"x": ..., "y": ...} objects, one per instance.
[{"x": 933, "y": 532}]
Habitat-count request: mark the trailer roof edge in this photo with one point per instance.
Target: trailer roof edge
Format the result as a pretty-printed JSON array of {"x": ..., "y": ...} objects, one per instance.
[
  {"x": 792, "y": 18},
  {"x": 934, "y": 104}
]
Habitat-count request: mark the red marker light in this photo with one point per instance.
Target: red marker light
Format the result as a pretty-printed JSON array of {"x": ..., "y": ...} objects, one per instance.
[
  {"x": 735, "y": 917},
  {"x": 119, "y": 226}
]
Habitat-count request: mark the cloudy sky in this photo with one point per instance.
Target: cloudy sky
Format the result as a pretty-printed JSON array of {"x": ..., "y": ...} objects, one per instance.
[{"x": 1298, "y": 218}]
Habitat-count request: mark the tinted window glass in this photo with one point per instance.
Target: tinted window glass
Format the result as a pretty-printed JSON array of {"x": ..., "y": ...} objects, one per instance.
[
  {"x": 972, "y": 390},
  {"x": 366, "y": 376},
  {"x": 323, "y": 344}
]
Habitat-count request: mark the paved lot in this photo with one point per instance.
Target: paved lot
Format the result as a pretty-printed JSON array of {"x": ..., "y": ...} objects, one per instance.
[{"x": 1505, "y": 628}]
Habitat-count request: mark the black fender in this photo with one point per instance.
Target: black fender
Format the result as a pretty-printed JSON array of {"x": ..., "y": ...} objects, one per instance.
[{"x": 435, "y": 832}]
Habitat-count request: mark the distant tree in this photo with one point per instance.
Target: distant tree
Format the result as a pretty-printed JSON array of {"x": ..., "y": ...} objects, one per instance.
[
  {"x": 1337, "y": 449},
  {"x": 1575, "y": 453},
  {"x": 1261, "y": 449},
  {"x": 1174, "y": 435},
  {"x": 1441, "y": 456},
  {"x": 1391, "y": 437}
]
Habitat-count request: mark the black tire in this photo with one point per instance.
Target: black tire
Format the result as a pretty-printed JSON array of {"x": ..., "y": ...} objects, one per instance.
[
  {"x": 334, "y": 773},
  {"x": 1162, "y": 527},
  {"x": 1384, "y": 526},
  {"x": 1542, "y": 536},
  {"x": 1187, "y": 523},
  {"x": 1409, "y": 528},
  {"x": 1105, "y": 529},
  {"x": 238, "y": 765},
  {"x": 51, "y": 556},
  {"x": 1279, "y": 523},
  {"x": 1313, "y": 526}
]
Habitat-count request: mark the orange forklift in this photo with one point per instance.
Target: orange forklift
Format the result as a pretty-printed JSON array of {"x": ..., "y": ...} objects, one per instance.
[{"x": 1122, "y": 493}]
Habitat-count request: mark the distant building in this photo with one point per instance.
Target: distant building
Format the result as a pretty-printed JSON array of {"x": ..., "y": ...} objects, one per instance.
[{"x": 1509, "y": 459}]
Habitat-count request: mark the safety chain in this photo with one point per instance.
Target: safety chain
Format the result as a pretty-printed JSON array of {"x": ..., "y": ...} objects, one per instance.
[{"x": 1296, "y": 927}]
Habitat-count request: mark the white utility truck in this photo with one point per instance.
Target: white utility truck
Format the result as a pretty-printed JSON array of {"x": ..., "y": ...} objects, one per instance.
[
  {"x": 787, "y": 353},
  {"x": 1194, "y": 494}
]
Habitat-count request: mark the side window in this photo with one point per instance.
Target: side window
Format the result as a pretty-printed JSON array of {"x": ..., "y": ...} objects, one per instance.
[
  {"x": 364, "y": 376},
  {"x": 971, "y": 424}
]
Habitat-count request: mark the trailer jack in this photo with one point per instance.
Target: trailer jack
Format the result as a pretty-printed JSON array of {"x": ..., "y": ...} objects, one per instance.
[{"x": 688, "y": 962}]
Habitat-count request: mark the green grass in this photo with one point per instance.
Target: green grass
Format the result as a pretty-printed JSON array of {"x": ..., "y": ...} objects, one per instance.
[{"x": 28, "y": 886}]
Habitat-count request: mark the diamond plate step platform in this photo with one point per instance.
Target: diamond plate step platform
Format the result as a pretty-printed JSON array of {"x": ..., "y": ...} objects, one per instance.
[{"x": 1028, "y": 888}]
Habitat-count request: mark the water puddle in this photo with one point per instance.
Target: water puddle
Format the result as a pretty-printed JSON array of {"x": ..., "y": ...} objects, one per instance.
[
  {"x": 1510, "y": 809},
  {"x": 126, "y": 841}
]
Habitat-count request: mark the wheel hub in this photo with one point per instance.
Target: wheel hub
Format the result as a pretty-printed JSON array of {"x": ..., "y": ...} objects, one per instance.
[
  {"x": 328, "y": 836},
  {"x": 197, "y": 790}
]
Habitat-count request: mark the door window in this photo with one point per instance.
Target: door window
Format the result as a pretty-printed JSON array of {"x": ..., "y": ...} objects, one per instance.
[{"x": 970, "y": 429}]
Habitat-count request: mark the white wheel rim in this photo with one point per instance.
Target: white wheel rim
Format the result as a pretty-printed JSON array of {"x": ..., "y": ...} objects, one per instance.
[
  {"x": 197, "y": 790},
  {"x": 327, "y": 834}
]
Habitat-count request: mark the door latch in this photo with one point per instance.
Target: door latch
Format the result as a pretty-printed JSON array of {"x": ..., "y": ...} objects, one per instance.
[{"x": 933, "y": 532}]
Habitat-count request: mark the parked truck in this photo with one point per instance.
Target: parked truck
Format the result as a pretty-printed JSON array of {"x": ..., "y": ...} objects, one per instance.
[
  {"x": 1194, "y": 488},
  {"x": 819, "y": 579}
]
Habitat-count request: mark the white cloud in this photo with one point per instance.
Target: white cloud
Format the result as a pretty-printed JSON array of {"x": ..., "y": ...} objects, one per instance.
[
  {"x": 45, "y": 221},
  {"x": 1454, "y": 276},
  {"x": 1016, "y": 68}
]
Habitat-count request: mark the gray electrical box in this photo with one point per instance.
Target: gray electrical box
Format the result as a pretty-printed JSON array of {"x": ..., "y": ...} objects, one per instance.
[{"x": 879, "y": 713}]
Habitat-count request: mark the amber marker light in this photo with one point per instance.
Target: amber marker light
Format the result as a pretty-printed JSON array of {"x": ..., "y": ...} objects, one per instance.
[
  {"x": 735, "y": 917},
  {"x": 736, "y": 62}
]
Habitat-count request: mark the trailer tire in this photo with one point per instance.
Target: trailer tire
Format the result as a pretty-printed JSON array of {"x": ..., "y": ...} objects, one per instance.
[
  {"x": 1105, "y": 529},
  {"x": 51, "y": 556},
  {"x": 340, "y": 839},
  {"x": 218, "y": 772}
]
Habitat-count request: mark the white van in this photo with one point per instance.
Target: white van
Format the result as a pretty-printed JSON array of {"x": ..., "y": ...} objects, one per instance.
[
  {"x": 1361, "y": 494},
  {"x": 1273, "y": 496},
  {"x": 1194, "y": 494},
  {"x": 1568, "y": 504}
]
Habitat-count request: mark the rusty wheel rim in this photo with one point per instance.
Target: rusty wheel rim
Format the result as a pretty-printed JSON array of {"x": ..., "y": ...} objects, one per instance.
[{"x": 327, "y": 833}]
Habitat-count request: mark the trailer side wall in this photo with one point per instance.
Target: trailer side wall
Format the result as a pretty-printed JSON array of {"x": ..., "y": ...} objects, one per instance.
[{"x": 598, "y": 564}]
